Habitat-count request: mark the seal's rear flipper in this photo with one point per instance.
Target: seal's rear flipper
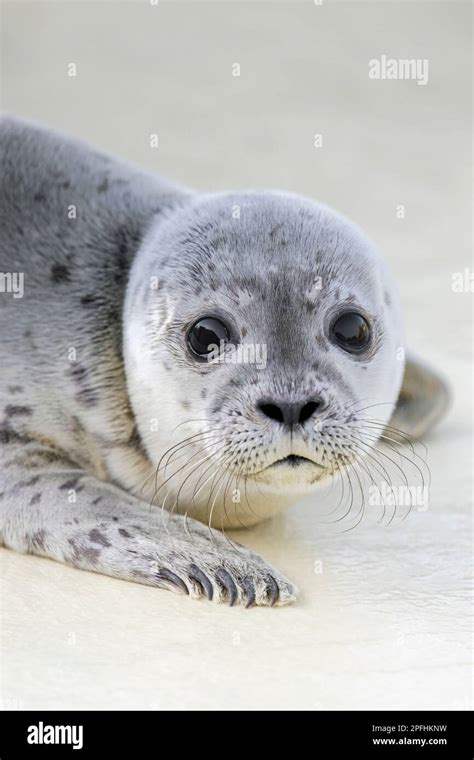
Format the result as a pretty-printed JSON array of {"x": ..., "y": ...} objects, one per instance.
[{"x": 423, "y": 400}]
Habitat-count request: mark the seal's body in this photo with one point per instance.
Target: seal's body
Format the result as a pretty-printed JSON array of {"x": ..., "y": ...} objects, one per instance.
[{"x": 210, "y": 355}]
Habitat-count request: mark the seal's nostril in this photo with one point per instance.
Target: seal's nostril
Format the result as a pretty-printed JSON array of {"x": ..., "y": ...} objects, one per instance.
[
  {"x": 308, "y": 410},
  {"x": 290, "y": 413},
  {"x": 273, "y": 411}
]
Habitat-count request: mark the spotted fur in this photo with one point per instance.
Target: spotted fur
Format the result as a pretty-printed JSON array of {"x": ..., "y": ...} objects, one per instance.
[{"x": 103, "y": 412}]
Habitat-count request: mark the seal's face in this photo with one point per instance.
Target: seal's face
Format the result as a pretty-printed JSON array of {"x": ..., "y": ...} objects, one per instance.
[{"x": 263, "y": 349}]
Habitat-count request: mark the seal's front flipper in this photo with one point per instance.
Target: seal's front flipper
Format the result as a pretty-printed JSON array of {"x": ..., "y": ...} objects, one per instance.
[
  {"x": 423, "y": 400},
  {"x": 54, "y": 509}
]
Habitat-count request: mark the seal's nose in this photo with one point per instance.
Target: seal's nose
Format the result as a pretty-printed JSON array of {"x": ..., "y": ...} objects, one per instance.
[{"x": 290, "y": 413}]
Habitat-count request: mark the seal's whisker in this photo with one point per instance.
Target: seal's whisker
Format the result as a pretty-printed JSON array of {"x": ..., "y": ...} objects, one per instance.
[
  {"x": 393, "y": 446},
  {"x": 362, "y": 501},
  {"x": 209, "y": 457},
  {"x": 206, "y": 440},
  {"x": 236, "y": 476},
  {"x": 374, "y": 452},
  {"x": 187, "y": 464},
  {"x": 350, "y": 496},
  {"x": 350, "y": 404},
  {"x": 173, "y": 474},
  {"x": 420, "y": 472},
  {"x": 240, "y": 475},
  {"x": 390, "y": 429},
  {"x": 231, "y": 475},
  {"x": 340, "y": 479},
  {"x": 198, "y": 487},
  {"x": 331, "y": 486},
  {"x": 386, "y": 428},
  {"x": 368, "y": 456},
  {"x": 188, "y": 422},
  {"x": 184, "y": 441},
  {"x": 363, "y": 461},
  {"x": 371, "y": 452},
  {"x": 252, "y": 511},
  {"x": 222, "y": 475},
  {"x": 372, "y": 406},
  {"x": 192, "y": 502},
  {"x": 198, "y": 438},
  {"x": 182, "y": 447}
]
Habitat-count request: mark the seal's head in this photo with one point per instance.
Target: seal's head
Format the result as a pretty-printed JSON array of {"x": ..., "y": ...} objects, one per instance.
[{"x": 263, "y": 338}]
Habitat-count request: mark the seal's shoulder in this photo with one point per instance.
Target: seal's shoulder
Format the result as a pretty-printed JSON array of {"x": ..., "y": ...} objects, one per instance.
[{"x": 32, "y": 154}]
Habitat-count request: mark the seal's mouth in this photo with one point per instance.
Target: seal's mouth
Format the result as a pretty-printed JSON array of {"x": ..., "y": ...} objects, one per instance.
[
  {"x": 290, "y": 474},
  {"x": 292, "y": 461}
]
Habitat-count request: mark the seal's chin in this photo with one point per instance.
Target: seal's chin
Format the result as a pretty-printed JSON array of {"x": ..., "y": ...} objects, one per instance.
[{"x": 291, "y": 473}]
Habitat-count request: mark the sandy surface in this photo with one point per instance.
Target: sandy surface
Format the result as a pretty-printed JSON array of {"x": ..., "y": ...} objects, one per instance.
[{"x": 383, "y": 619}]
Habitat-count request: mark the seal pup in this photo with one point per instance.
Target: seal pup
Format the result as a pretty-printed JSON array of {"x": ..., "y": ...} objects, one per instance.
[{"x": 136, "y": 411}]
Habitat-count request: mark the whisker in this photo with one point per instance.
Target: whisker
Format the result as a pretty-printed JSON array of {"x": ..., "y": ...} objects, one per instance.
[
  {"x": 372, "y": 406},
  {"x": 361, "y": 510},
  {"x": 370, "y": 455},
  {"x": 405, "y": 479},
  {"x": 363, "y": 461},
  {"x": 351, "y": 490},
  {"x": 209, "y": 457},
  {"x": 341, "y": 480},
  {"x": 391, "y": 444}
]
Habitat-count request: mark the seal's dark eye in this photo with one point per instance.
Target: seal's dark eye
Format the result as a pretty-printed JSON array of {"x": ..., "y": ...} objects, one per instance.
[
  {"x": 351, "y": 331},
  {"x": 205, "y": 335}
]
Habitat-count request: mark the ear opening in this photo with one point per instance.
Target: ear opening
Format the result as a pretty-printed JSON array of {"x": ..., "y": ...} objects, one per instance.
[{"x": 423, "y": 401}]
